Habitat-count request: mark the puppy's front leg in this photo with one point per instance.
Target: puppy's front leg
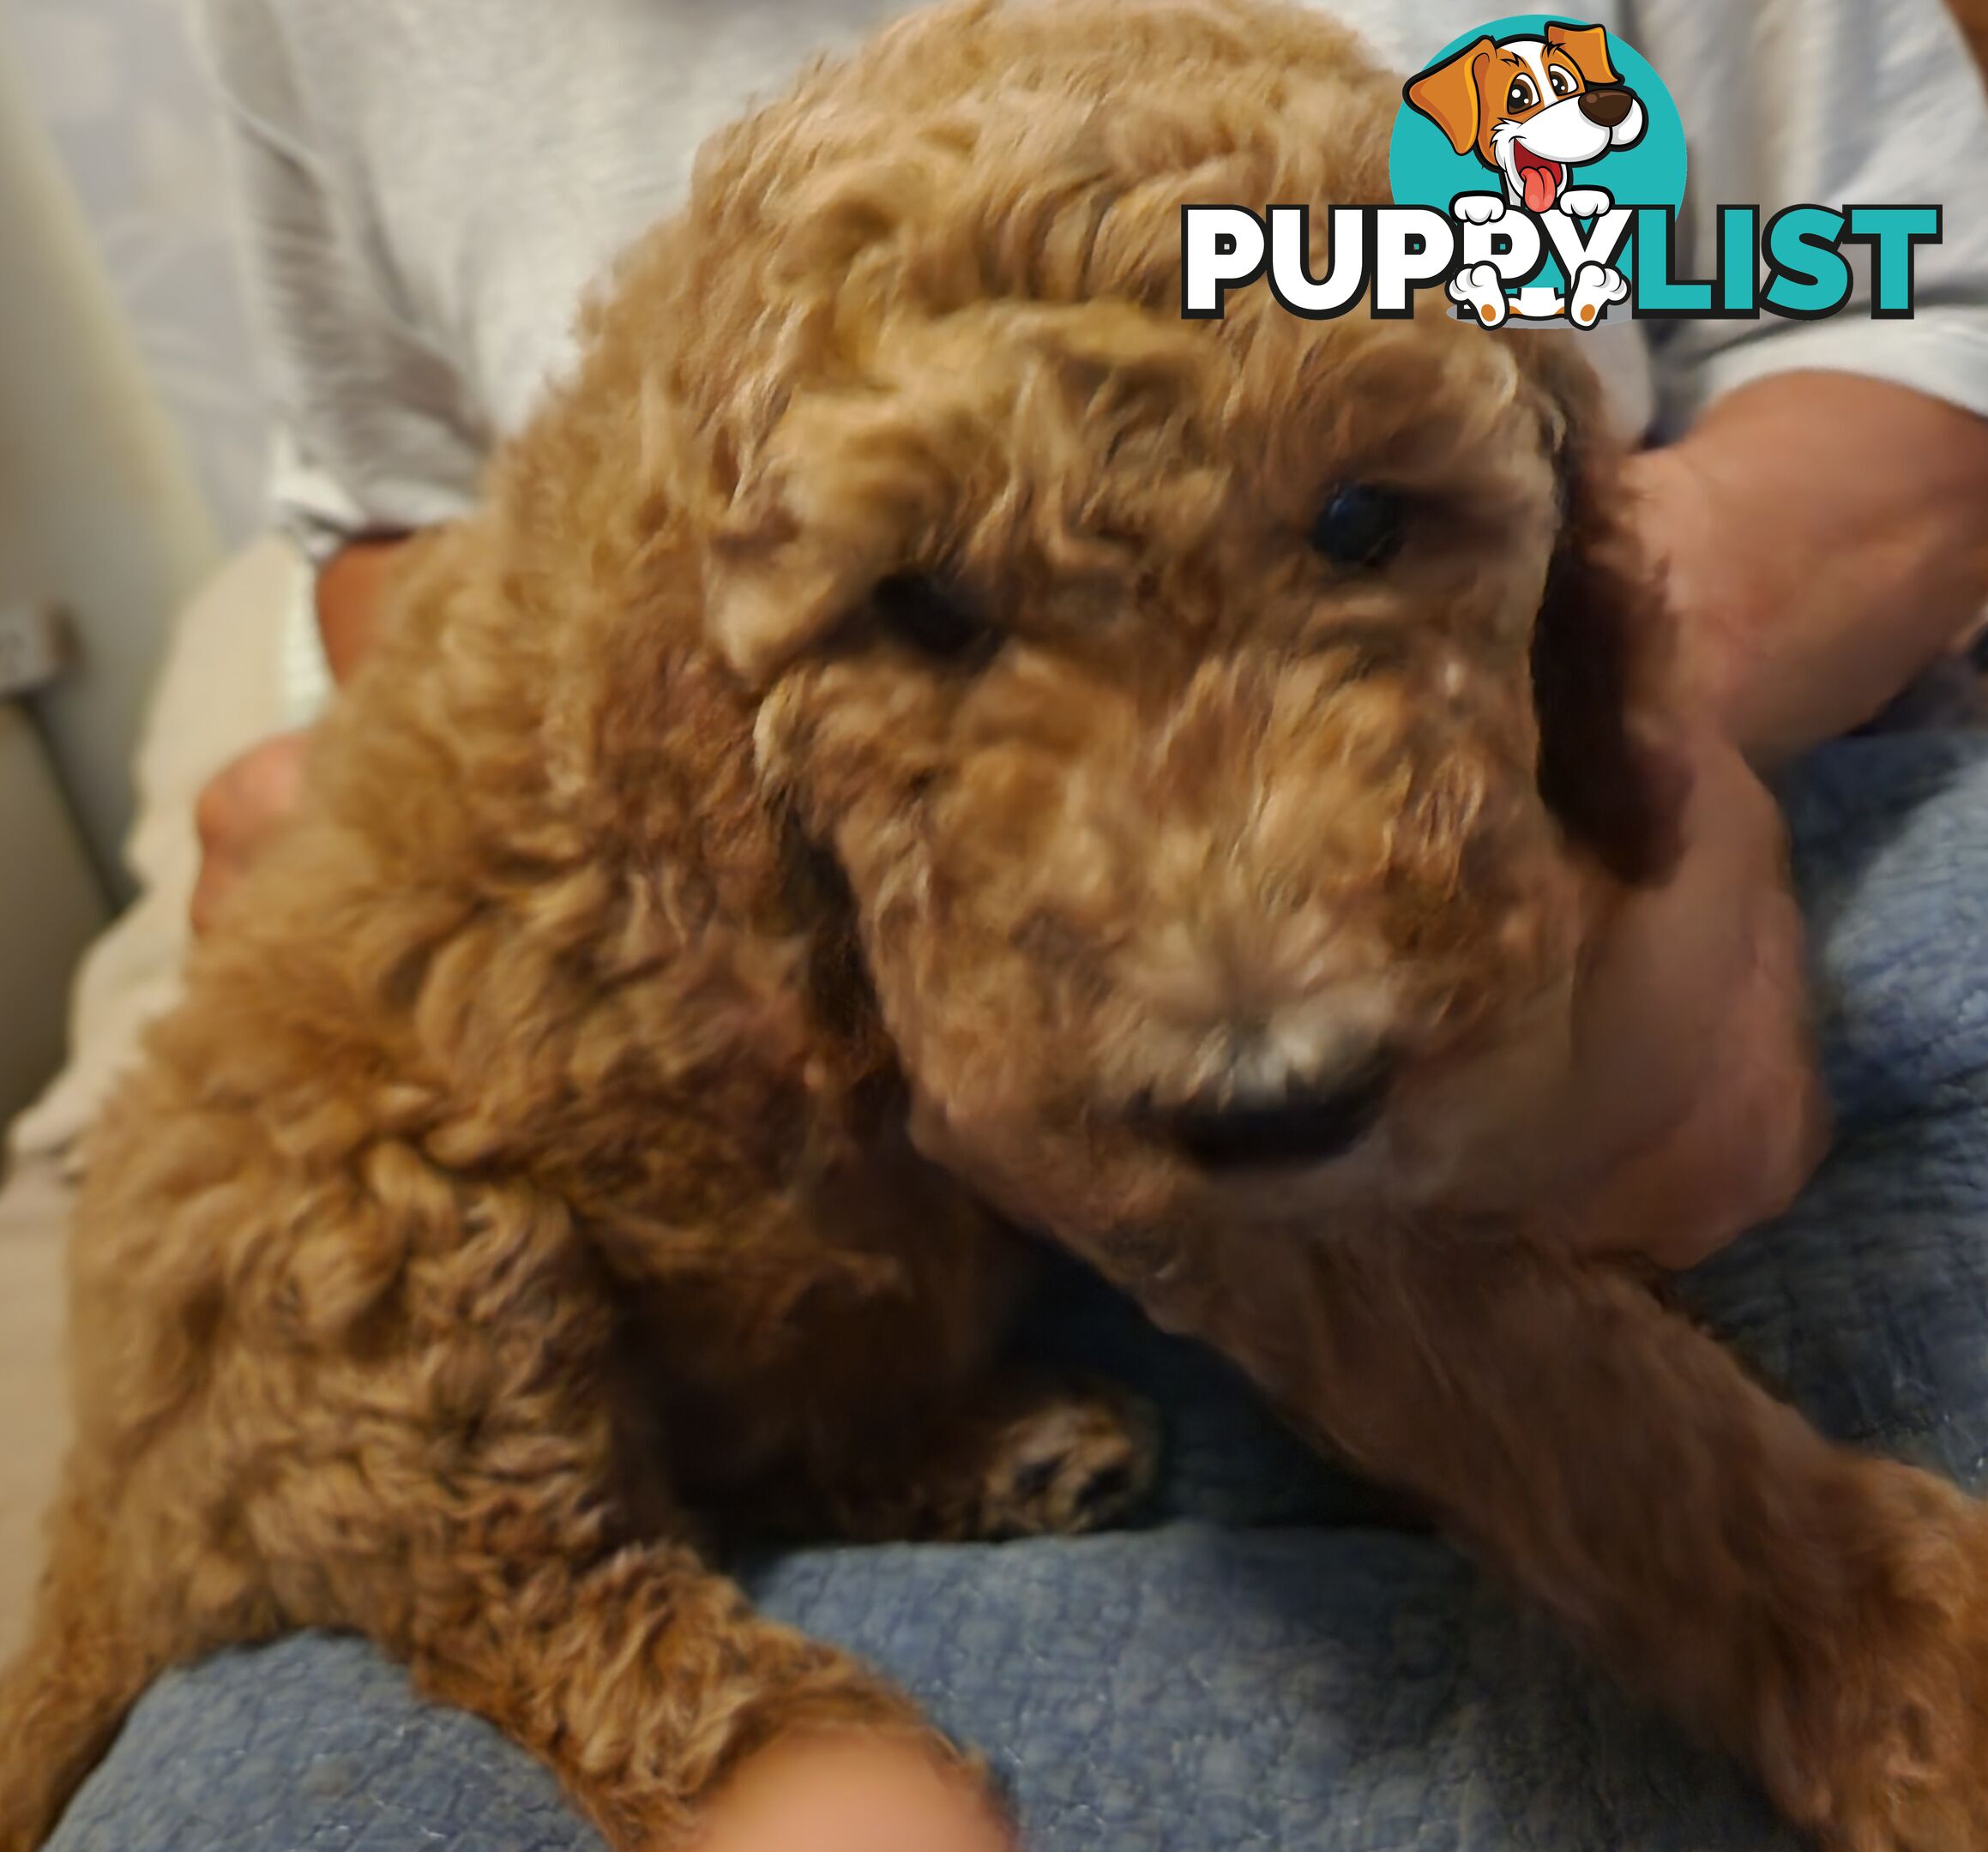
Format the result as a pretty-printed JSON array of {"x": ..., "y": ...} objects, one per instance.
[{"x": 1826, "y": 1613}]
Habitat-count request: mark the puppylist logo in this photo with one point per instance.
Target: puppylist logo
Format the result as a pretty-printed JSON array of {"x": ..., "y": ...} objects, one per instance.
[{"x": 1538, "y": 167}]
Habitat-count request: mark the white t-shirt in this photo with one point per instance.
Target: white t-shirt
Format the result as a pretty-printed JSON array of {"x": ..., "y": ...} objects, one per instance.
[{"x": 429, "y": 185}]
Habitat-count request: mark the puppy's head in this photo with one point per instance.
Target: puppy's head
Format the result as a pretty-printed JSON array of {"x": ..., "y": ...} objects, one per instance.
[{"x": 1213, "y": 723}]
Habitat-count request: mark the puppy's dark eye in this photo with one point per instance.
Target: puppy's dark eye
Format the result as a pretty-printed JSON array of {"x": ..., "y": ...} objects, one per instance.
[
  {"x": 935, "y": 619},
  {"x": 1521, "y": 95},
  {"x": 1360, "y": 527}
]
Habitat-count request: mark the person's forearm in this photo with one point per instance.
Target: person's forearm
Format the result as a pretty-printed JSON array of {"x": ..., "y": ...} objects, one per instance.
[
  {"x": 349, "y": 590},
  {"x": 1825, "y": 537}
]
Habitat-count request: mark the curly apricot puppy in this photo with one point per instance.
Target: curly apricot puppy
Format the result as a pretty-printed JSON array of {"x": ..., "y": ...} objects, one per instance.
[{"x": 916, "y": 725}]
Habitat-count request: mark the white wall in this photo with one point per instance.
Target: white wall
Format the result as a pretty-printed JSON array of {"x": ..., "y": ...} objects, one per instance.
[
  {"x": 99, "y": 510},
  {"x": 132, "y": 115},
  {"x": 50, "y": 904}
]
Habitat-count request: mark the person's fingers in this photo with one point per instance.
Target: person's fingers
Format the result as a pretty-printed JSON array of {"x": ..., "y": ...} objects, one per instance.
[
  {"x": 250, "y": 795},
  {"x": 1743, "y": 1149},
  {"x": 351, "y": 589},
  {"x": 1658, "y": 989},
  {"x": 215, "y": 882},
  {"x": 1695, "y": 1111},
  {"x": 237, "y": 814},
  {"x": 851, "y": 1793}
]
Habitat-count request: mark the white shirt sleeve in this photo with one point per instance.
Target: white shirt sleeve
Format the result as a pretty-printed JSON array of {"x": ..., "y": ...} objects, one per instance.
[
  {"x": 1833, "y": 102},
  {"x": 380, "y": 428}
]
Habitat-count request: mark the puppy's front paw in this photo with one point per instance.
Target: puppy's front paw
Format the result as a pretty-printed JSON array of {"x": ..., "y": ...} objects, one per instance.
[
  {"x": 1034, "y": 1454},
  {"x": 1903, "y": 1767},
  {"x": 1078, "y": 1459},
  {"x": 1586, "y": 202}
]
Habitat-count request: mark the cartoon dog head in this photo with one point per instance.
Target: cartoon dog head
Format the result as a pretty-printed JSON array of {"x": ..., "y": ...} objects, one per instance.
[{"x": 1533, "y": 109}]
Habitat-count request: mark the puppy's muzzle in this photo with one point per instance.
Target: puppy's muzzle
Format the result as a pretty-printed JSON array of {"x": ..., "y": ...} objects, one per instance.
[
  {"x": 1306, "y": 1124},
  {"x": 1606, "y": 108}
]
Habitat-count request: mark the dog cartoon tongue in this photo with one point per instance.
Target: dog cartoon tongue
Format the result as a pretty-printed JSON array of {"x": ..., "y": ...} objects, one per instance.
[{"x": 1540, "y": 179}]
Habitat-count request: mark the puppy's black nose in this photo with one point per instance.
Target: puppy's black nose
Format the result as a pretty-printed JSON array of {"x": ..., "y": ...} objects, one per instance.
[
  {"x": 1606, "y": 108},
  {"x": 1306, "y": 1125}
]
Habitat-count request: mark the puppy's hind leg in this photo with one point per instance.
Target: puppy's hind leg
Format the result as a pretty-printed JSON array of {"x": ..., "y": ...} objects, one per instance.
[
  {"x": 455, "y": 1470},
  {"x": 646, "y": 1681},
  {"x": 485, "y": 1502},
  {"x": 521, "y": 1569},
  {"x": 65, "y": 1695}
]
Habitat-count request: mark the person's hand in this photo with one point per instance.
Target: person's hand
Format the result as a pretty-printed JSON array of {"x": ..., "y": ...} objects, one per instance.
[
  {"x": 848, "y": 1793},
  {"x": 1695, "y": 1096},
  {"x": 1822, "y": 543},
  {"x": 351, "y": 588},
  {"x": 242, "y": 807},
  {"x": 239, "y": 810}
]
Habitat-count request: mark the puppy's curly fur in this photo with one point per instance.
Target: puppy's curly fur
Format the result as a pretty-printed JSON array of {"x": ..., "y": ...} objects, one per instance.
[{"x": 884, "y": 748}]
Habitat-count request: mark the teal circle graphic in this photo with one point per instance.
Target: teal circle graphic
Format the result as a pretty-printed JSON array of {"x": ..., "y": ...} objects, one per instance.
[{"x": 1425, "y": 171}]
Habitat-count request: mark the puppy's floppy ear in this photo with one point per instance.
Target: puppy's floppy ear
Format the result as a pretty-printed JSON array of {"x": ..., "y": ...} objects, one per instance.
[
  {"x": 1446, "y": 94},
  {"x": 1588, "y": 46},
  {"x": 837, "y": 498},
  {"x": 1600, "y": 644}
]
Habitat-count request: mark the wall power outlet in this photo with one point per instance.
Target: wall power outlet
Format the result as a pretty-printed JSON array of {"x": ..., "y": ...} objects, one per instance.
[{"x": 32, "y": 647}]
